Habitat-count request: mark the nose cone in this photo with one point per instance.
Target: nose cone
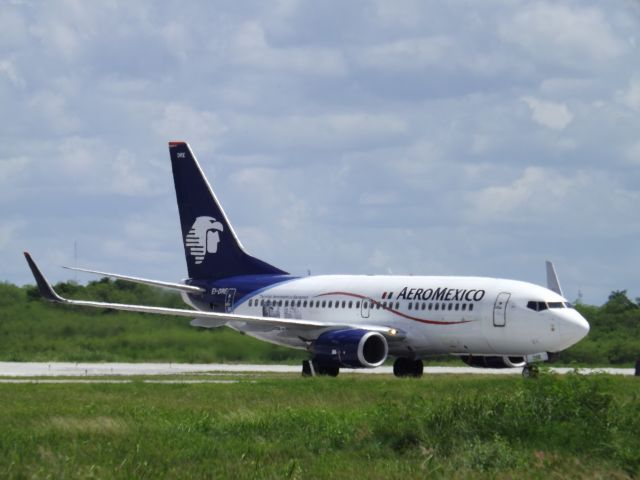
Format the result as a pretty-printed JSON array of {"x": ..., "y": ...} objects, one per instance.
[{"x": 574, "y": 327}]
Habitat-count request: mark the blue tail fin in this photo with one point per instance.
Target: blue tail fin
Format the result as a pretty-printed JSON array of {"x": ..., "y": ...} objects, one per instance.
[{"x": 211, "y": 247}]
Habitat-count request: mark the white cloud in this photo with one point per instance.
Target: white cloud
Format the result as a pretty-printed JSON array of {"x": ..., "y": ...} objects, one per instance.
[
  {"x": 10, "y": 168},
  {"x": 631, "y": 96},
  {"x": 549, "y": 114},
  {"x": 8, "y": 69},
  {"x": 52, "y": 108},
  {"x": 407, "y": 54},
  {"x": 8, "y": 230},
  {"x": 528, "y": 198},
  {"x": 13, "y": 27},
  {"x": 127, "y": 178},
  {"x": 575, "y": 35},
  {"x": 401, "y": 13},
  {"x": 251, "y": 48},
  {"x": 633, "y": 154},
  {"x": 322, "y": 131},
  {"x": 177, "y": 121},
  {"x": 367, "y": 122}
]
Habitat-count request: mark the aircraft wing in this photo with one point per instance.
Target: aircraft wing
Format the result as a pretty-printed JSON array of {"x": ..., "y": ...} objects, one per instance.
[
  {"x": 155, "y": 283},
  {"x": 47, "y": 291}
]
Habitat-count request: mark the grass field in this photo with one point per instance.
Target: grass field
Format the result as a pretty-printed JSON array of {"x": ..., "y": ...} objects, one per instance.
[{"x": 347, "y": 427}]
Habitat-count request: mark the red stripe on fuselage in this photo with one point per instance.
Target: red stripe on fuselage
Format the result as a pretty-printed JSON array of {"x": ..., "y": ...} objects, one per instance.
[{"x": 421, "y": 320}]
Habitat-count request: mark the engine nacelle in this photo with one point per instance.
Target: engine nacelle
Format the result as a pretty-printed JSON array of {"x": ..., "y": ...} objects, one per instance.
[
  {"x": 353, "y": 348},
  {"x": 493, "y": 362}
]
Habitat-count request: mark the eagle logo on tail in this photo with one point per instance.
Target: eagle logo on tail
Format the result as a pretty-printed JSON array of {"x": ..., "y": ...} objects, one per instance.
[{"x": 203, "y": 238}]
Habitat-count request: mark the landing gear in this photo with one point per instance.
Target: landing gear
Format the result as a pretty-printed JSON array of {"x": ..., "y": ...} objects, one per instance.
[
  {"x": 530, "y": 371},
  {"x": 406, "y": 367},
  {"x": 311, "y": 369},
  {"x": 307, "y": 369}
]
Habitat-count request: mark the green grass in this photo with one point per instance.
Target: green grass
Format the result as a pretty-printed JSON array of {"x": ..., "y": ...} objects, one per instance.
[
  {"x": 347, "y": 427},
  {"x": 34, "y": 330}
]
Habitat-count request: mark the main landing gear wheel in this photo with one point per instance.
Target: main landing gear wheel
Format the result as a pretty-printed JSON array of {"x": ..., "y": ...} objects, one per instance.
[
  {"x": 530, "y": 371},
  {"x": 405, "y": 367}
]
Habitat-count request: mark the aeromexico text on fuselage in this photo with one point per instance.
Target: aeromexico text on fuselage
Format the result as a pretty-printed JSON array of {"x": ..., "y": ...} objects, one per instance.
[{"x": 439, "y": 294}]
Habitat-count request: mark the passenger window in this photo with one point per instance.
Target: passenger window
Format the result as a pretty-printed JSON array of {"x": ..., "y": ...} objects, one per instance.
[
  {"x": 397, "y": 305},
  {"x": 358, "y": 304},
  {"x": 470, "y": 306},
  {"x": 437, "y": 306},
  {"x": 457, "y": 307},
  {"x": 377, "y": 306},
  {"x": 324, "y": 303},
  {"x": 431, "y": 306},
  {"x": 365, "y": 304},
  {"x": 424, "y": 305},
  {"x": 344, "y": 303},
  {"x": 337, "y": 304},
  {"x": 410, "y": 305},
  {"x": 451, "y": 306},
  {"x": 350, "y": 304},
  {"x": 464, "y": 307},
  {"x": 304, "y": 304}
]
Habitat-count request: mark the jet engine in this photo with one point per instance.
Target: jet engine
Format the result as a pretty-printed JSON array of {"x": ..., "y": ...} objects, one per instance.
[
  {"x": 493, "y": 362},
  {"x": 353, "y": 348}
]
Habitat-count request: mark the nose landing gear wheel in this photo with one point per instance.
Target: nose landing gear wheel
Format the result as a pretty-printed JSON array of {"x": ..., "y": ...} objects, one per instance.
[
  {"x": 530, "y": 371},
  {"x": 405, "y": 367}
]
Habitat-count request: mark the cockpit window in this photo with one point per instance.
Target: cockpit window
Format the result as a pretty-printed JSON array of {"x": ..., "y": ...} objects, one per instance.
[
  {"x": 537, "y": 306},
  {"x": 556, "y": 304},
  {"x": 568, "y": 305}
]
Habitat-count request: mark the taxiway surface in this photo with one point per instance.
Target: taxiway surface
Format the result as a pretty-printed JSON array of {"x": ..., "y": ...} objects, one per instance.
[{"x": 69, "y": 369}]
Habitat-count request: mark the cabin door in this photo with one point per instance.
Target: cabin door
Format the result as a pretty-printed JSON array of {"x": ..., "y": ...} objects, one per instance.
[{"x": 500, "y": 309}]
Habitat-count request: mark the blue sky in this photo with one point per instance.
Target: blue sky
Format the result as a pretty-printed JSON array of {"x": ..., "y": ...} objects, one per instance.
[{"x": 405, "y": 137}]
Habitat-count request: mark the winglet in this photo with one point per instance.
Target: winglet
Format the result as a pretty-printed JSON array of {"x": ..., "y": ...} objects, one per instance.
[
  {"x": 553, "y": 283},
  {"x": 45, "y": 288}
]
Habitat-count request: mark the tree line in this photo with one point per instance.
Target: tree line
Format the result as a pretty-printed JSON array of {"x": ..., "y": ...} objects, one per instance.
[{"x": 32, "y": 329}]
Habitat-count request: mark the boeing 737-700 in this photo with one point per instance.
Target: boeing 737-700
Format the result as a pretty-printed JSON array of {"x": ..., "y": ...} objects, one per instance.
[{"x": 349, "y": 321}]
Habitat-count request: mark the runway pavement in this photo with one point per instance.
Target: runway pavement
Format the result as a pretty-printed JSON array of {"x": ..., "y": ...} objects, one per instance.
[{"x": 68, "y": 369}]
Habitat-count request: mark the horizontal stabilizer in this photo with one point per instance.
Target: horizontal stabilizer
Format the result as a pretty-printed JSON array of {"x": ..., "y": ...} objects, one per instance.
[{"x": 155, "y": 283}]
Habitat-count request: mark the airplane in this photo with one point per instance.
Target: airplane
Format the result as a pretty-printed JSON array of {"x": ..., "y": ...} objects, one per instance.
[{"x": 349, "y": 321}]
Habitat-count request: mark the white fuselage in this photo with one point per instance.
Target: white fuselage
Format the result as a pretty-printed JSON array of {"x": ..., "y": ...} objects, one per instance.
[{"x": 458, "y": 315}]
